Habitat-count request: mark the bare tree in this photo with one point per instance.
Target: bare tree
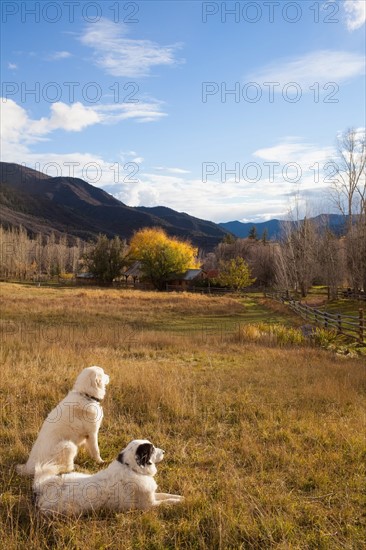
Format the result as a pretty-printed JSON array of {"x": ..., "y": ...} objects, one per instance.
[
  {"x": 331, "y": 267},
  {"x": 356, "y": 254},
  {"x": 283, "y": 277},
  {"x": 258, "y": 253},
  {"x": 297, "y": 261},
  {"x": 26, "y": 258},
  {"x": 348, "y": 188}
]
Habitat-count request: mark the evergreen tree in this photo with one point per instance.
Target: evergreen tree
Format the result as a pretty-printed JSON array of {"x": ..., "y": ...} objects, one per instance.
[
  {"x": 253, "y": 233},
  {"x": 265, "y": 236}
]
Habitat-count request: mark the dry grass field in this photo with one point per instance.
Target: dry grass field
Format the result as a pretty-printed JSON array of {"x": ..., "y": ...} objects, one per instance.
[{"x": 266, "y": 442}]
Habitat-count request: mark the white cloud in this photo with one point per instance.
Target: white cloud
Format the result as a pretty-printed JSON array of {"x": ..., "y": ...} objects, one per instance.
[
  {"x": 355, "y": 13},
  {"x": 55, "y": 56},
  {"x": 12, "y": 66},
  {"x": 13, "y": 120},
  {"x": 72, "y": 118},
  {"x": 320, "y": 66},
  {"x": 121, "y": 56},
  {"x": 18, "y": 127},
  {"x": 19, "y": 131}
]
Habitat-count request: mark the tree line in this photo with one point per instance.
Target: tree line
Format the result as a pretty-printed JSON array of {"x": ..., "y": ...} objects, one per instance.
[
  {"x": 40, "y": 257},
  {"x": 306, "y": 253},
  {"x": 24, "y": 257},
  {"x": 45, "y": 257}
]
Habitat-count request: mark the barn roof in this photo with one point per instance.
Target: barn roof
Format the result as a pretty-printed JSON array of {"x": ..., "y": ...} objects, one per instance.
[
  {"x": 134, "y": 270},
  {"x": 188, "y": 275}
]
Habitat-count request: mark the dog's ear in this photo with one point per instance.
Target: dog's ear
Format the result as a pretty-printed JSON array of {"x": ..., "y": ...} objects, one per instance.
[
  {"x": 144, "y": 453},
  {"x": 98, "y": 380},
  {"x": 120, "y": 458}
]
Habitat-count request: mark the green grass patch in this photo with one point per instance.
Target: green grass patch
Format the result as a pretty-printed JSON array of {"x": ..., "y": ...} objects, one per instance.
[{"x": 344, "y": 306}]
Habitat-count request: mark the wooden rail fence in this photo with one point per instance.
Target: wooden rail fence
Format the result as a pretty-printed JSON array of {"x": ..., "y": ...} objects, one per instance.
[{"x": 348, "y": 325}]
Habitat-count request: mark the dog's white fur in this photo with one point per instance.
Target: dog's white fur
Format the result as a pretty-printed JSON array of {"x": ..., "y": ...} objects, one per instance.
[
  {"x": 74, "y": 422},
  {"x": 128, "y": 483}
]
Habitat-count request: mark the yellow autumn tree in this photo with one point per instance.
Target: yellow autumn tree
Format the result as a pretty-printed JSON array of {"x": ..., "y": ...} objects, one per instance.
[
  {"x": 235, "y": 273},
  {"x": 161, "y": 255}
]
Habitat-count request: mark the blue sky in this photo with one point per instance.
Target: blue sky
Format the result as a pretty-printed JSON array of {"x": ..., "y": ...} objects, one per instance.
[{"x": 135, "y": 98}]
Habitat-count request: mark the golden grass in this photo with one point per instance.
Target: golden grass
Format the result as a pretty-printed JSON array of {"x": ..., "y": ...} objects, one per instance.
[{"x": 266, "y": 444}]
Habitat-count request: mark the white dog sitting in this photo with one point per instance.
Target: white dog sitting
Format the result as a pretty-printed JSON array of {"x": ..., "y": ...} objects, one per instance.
[
  {"x": 128, "y": 483},
  {"x": 74, "y": 422}
]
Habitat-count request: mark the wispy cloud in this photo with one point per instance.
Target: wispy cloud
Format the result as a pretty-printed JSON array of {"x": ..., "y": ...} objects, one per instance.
[
  {"x": 171, "y": 170},
  {"x": 294, "y": 150},
  {"x": 122, "y": 56},
  {"x": 355, "y": 13},
  {"x": 320, "y": 66},
  {"x": 131, "y": 156},
  {"x": 141, "y": 112},
  {"x": 12, "y": 66},
  {"x": 56, "y": 56}
]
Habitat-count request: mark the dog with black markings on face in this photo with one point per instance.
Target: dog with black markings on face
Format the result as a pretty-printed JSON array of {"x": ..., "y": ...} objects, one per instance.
[
  {"x": 128, "y": 483},
  {"x": 73, "y": 422}
]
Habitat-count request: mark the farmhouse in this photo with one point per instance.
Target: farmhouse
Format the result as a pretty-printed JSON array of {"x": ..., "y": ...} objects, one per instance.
[
  {"x": 133, "y": 273},
  {"x": 183, "y": 281}
]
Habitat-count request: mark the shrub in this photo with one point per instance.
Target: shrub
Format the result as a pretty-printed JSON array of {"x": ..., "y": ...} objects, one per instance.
[{"x": 276, "y": 334}]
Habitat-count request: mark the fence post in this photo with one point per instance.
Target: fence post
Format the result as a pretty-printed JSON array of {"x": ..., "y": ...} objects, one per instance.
[
  {"x": 325, "y": 320},
  {"x": 361, "y": 324},
  {"x": 339, "y": 322}
]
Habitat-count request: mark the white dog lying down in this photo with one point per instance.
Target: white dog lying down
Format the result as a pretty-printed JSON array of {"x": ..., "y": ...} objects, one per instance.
[
  {"x": 74, "y": 422},
  {"x": 128, "y": 483}
]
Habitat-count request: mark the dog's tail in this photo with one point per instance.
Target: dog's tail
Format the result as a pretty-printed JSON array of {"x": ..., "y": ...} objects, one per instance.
[
  {"x": 44, "y": 471},
  {"x": 46, "y": 484}
]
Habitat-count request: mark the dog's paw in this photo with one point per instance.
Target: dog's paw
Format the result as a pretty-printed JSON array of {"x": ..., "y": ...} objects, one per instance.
[{"x": 100, "y": 460}]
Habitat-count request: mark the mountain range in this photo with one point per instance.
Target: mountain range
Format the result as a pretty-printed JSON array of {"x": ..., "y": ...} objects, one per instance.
[
  {"x": 335, "y": 222},
  {"x": 42, "y": 204}
]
